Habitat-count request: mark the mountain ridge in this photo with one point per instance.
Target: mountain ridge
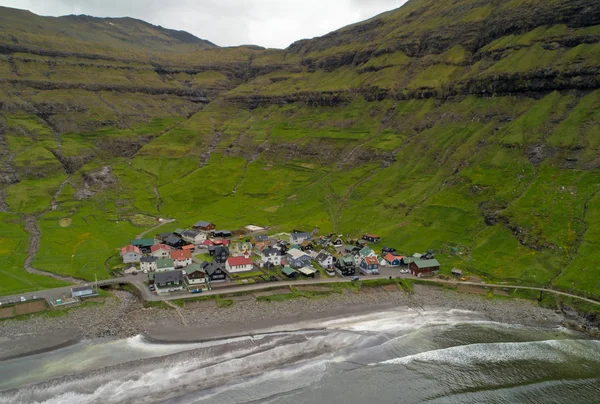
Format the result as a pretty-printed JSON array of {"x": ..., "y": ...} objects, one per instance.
[{"x": 443, "y": 124}]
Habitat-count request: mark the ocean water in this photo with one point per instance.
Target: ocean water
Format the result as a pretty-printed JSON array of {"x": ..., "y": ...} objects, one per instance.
[{"x": 397, "y": 356}]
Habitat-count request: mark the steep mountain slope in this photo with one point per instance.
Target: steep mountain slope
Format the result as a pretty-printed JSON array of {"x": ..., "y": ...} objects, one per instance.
[
  {"x": 91, "y": 35},
  {"x": 469, "y": 127}
]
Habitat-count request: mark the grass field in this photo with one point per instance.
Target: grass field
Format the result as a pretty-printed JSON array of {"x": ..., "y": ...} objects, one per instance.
[{"x": 349, "y": 133}]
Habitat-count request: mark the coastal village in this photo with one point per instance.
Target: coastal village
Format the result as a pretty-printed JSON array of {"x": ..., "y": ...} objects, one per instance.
[{"x": 202, "y": 257}]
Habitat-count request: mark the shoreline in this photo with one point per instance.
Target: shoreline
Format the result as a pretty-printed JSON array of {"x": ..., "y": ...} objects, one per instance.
[{"x": 125, "y": 316}]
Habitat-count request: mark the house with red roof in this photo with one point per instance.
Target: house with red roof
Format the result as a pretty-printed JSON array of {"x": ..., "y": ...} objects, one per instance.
[
  {"x": 181, "y": 258},
  {"x": 131, "y": 254},
  {"x": 160, "y": 251},
  {"x": 393, "y": 260},
  {"x": 369, "y": 265},
  {"x": 238, "y": 264}
]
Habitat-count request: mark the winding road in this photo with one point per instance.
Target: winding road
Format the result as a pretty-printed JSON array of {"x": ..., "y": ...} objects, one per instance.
[{"x": 139, "y": 280}]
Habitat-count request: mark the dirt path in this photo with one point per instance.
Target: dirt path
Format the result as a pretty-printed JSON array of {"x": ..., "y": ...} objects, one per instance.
[
  {"x": 179, "y": 313},
  {"x": 33, "y": 246},
  {"x": 141, "y": 235},
  {"x": 3, "y": 205}
]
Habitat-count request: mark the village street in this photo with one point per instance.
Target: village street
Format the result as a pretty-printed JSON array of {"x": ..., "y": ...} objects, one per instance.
[{"x": 140, "y": 282}]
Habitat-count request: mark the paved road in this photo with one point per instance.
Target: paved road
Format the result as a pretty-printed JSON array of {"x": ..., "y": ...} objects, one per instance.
[{"x": 139, "y": 282}]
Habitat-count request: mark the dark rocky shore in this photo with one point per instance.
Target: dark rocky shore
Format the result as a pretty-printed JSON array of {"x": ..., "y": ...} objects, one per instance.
[{"x": 124, "y": 315}]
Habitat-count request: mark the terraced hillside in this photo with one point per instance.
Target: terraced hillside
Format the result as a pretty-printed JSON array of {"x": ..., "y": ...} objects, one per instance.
[{"x": 469, "y": 127}]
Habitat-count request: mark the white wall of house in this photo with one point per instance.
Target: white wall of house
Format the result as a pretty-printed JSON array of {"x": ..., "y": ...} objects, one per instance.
[
  {"x": 148, "y": 266},
  {"x": 274, "y": 259},
  {"x": 165, "y": 269},
  {"x": 183, "y": 263},
  {"x": 199, "y": 239},
  {"x": 241, "y": 268},
  {"x": 327, "y": 262},
  {"x": 161, "y": 253},
  {"x": 200, "y": 281},
  {"x": 168, "y": 289},
  {"x": 131, "y": 257}
]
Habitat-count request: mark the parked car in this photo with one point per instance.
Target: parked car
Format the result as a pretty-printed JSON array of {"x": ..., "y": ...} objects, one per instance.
[
  {"x": 23, "y": 299},
  {"x": 355, "y": 278},
  {"x": 404, "y": 271},
  {"x": 196, "y": 291},
  {"x": 145, "y": 271},
  {"x": 152, "y": 287}
]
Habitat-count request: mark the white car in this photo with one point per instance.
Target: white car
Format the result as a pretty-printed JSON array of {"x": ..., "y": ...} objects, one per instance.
[
  {"x": 145, "y": 271},
  {"x": 23, "y": 299},
  {"x": 404, "y": 271}
]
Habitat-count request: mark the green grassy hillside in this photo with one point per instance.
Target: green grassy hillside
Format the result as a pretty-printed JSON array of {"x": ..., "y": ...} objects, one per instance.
[{"x": 468, "y": 127}]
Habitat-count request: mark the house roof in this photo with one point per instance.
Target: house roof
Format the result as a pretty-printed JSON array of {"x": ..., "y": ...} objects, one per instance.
[
  {"x": 238, "y": 261},
  {"x": 169, "y": 276},
  {"x": 297, "y": 235},
  {"x": 202, "y": 223},
  {"x": 408, "y": 260},
  {"x": 371, "y": 235},
  {"x": 366, "y": 251},
  {"x": 190, "y": 233},
  {"x": 392, "y": 257},
  {"x": 165, "y": 263},
  {"x": 143, "y": 242},
  {"x": 178, "y": 231},
  {"x": 212, "y": 267},
  {"x": 130, "y": 248},
  {"x": 172, "y": 239},
  {"x": 268, "y": 251},
  {"x": 288, "y": 270},
  {"x": 195, "y": 268},
  {"x": 371, "y": 260},
  {"x": 157, "y": 247},
  {"x": 348, "y": 259},
  {"x": 149, "y": 259},
  {"x": 181, "y": 255},
  {"x": 188, "y": 247},
  {"x": 307, "y": 271},
  {"x": 261, "y": 237},
  {"x": 82, "y": 288},
  {"x": 427, "y": 263},
  {"x": 323, "y": 255},
  {"x": 297, "y": 254}
]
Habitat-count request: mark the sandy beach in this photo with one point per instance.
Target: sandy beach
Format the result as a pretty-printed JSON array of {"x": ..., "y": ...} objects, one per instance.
[{"x": 123, "y": 315}]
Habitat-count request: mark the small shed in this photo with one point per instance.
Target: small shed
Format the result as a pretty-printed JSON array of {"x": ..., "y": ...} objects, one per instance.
[
  {"x": 309, "y": 272},
  {"x": 289, "y": 272},
  {"x": 371, "y": 237},
  {"x": 83, "y": 291},
  {"x": 457, "y": 272}
]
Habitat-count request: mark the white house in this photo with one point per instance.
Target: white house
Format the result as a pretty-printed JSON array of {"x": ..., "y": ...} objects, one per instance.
[
  {"x": 238, "y": 264},
  {"x": 181, "y": 258},
  {"x": 299, "y": 237},
  {"x": 171, "y": 281},
  {"x": 272, "y": 256},
  {"x": 325, "y": 259},
  {"x": 193, "y": 236},
  {"x": 149, "y": 264},
  {"x": 164, "y": 265},
  {"x": 131, "y": 254},
  {"x": 160, "y": 251},
  {"x": 195, "y": 277}
]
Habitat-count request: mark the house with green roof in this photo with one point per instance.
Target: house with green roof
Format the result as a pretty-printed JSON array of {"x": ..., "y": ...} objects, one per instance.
[
  {"x": 143, "y": 244},
  {"x": 165, "y": 264},
  {"x": 290, "y": 272},
  {"x": 424, "y": 268}
]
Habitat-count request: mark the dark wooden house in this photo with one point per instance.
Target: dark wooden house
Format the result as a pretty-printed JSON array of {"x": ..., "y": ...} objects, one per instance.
[{"x": 424, "y": 268}]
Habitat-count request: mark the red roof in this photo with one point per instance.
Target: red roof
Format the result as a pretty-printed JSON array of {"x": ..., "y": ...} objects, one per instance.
[
  {"x": 371, "y": 236},
  {"x": 130, "y": 248},
  {"x": 157, "y": 247},
  {"x": 371, "y": 260},
  {"x": 208, "y": 243},
  {"x": 392, "y": 257},
  {"x": 239, "y": 261},
  {"x": 188, "y": 247},
  {"x": 221, "y": 242},
  {"x": 181, "y": 255}
]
